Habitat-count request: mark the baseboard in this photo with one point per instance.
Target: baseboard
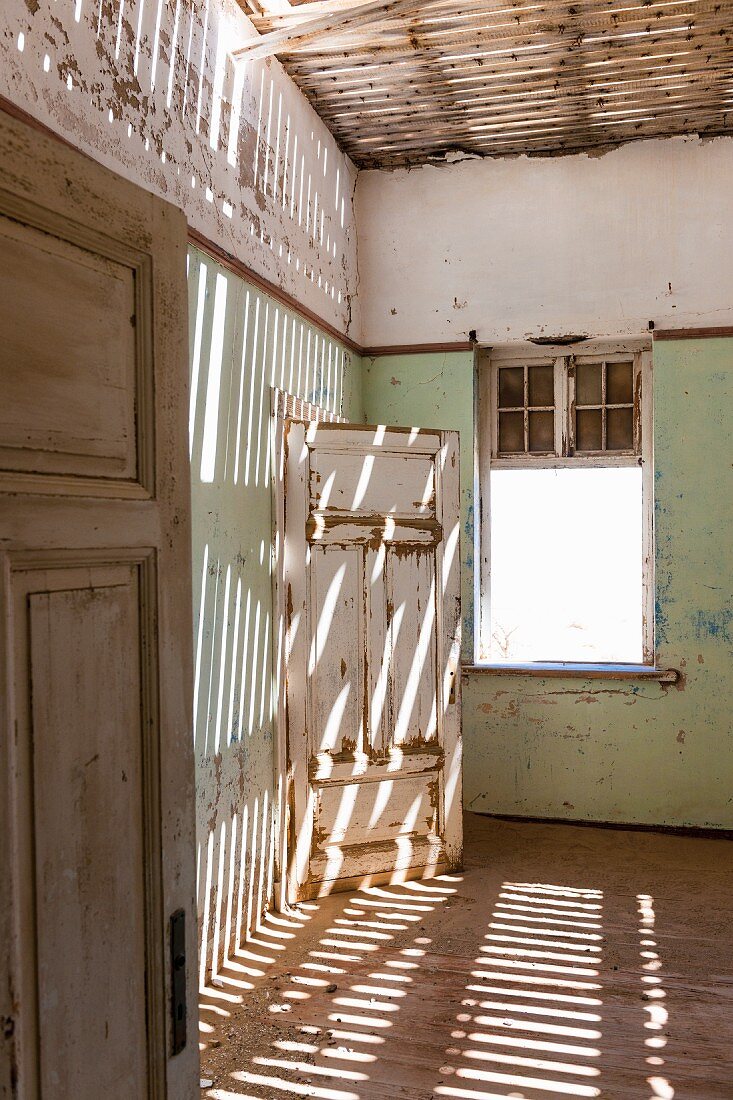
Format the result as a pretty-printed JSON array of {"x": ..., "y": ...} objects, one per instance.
[{"x": 701, "y": 832}]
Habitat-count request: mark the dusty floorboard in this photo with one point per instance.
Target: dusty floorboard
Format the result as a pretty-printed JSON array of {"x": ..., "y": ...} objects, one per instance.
[{"x": 563, "y": 963}]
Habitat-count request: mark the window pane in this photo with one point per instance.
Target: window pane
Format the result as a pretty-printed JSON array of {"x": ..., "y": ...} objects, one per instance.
[
  {"x": 620, "y": 430},
  {"x": 588, "y": 389},
  {"x": 566, "y": 565},
  {"x": 511, "y": 387},
  {"x": 619, "y": 384},
  {"x": 588, "y": 430},
  {"x": 542, "y": 432},
  {"x": 511, "y": 433},
  {"x": 541, "y": 386}
]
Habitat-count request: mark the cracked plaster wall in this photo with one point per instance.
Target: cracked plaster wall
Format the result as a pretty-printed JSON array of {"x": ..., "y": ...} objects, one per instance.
[
  {"x": 148, "y": 88},
  {"x": 242, "y": 343},
  {"x": 520, "y": 247},
  {"x": 641, "y": 752}
]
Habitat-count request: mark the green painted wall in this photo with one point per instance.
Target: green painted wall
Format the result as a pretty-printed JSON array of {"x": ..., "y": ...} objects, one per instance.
[
  {"x": 431, "y": 391},
  {"x": 603, "y": 750},
  {"x": 242, "y": 343}
]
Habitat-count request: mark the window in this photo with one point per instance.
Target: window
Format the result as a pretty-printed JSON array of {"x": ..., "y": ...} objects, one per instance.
[{"x": 565, "y": 530}]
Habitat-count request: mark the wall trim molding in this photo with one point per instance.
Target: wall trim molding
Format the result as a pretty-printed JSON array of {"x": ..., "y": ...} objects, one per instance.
[
  {"x": 238, "y": 267},
  {"x": 700, "y": 831},
  {"x": 692, "y": 333},
  {"x": 416, "y": 349}
]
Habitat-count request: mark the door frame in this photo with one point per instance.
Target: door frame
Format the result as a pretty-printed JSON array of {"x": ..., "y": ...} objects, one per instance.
[{"x": 284, "y": 406}]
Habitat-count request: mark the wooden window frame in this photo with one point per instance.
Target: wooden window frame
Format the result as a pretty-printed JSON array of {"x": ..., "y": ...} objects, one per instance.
[{"x": 564, "y": 359}]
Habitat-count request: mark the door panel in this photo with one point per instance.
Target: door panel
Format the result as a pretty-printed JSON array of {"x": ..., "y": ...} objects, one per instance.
[
  {"x": 68, "y": 403},
  {"x": 411, "y": 605},
  {"x": 75, "y": 309},
  {"x": 96, "y": 757},
  {"x": 335, "y": 651},
  {"x": 90, "y": 906},
  {"x": 380, "y": 483},
  {"x": 373, "y": 725}
]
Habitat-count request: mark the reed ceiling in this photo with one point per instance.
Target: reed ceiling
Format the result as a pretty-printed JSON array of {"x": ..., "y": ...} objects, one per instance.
[{"x": 406, "y": 82}]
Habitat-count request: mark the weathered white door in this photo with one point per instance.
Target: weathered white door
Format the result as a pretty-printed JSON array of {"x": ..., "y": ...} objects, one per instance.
[
  {"x": 96, "y": 766},
  {"x": 371, "y": 576}
]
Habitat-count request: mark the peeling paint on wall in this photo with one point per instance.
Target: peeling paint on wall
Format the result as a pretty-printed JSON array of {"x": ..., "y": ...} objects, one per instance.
[
  {"x": 639, "y": 752},
  {"x": 151, "y": 91},
  {"x": 528, "y": 248},
  {"x": 241, "y": 344},
  {"x": 618, "y": 751}
]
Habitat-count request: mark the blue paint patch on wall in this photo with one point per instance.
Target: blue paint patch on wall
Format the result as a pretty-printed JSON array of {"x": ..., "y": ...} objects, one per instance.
[{"x": 713, "y": 624}]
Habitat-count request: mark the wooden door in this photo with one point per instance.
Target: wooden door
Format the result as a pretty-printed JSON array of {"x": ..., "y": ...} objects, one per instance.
[
  {"x": 96, "y": 758},
  {"x": 371, "y": 575}
]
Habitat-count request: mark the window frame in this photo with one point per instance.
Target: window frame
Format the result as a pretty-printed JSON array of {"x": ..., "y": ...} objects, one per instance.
[{"x": 565, "y": 359}]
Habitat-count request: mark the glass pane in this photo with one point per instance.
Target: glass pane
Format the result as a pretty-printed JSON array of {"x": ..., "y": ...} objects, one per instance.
[
  {"x": 588, "y": 430},
  {"x": 541, "y": 386},
  {"x": 511, "y": 387},
  {"x": 542, "y": 432},
  {"x": 511, "y": 433},
  {"x": 588, "y": 384},
  {"x": 619, "y": 383},
  {"x": 581, "y": 597},
  {"x": 620, "y": 430}
]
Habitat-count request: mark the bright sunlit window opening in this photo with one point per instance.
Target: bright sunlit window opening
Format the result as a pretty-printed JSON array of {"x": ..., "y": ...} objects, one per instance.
[{"x": 566, "y": 566}]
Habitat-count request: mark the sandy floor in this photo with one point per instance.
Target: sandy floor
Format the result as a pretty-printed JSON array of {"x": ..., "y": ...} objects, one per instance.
[{"x": 564, "y": 962}]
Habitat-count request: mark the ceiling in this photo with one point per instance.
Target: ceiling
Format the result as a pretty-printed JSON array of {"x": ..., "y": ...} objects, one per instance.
[{"x": 406, "y": 82}]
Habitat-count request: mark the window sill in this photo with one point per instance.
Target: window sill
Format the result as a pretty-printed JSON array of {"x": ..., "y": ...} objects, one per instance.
[{"x": 577, "y": 671}]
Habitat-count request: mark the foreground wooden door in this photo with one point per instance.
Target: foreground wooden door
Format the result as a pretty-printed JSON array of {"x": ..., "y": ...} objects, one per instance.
[
  {"x": 371, "y": 575},
  {"x": 96, "y": 767}
]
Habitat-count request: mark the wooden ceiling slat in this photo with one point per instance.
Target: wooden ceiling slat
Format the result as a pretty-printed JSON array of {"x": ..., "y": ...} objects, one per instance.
[
  {"x": 568, "y": 113},
  {"x": 437, "y": 12},
  {"x": 471, "y": 41},
  {"x": 630, "y": 35},
  {"x": 592, "y": 65},
  {"x": 515, "y": 129},
  {"x": 554, "y": 76},
  {"x": 453, "y": 130},
  {"x": 615, "y": 81},
  {"x": 534, "y": 144},
  {"x": 589, "y": 69},
  {"x": 409, "y": 95}
]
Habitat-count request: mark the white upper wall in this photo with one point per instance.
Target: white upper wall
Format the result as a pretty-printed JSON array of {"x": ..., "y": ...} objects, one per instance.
[
  {"x": 526, "y": 247},
  {"x": 147, "y": 87}
]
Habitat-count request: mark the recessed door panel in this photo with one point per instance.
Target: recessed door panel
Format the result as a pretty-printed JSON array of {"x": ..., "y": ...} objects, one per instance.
[
  {"x": 371, "y": 481},
  {"x": 335, "y": 657},
  {"x": 67, "y": 358},
  {"x": 86, "y": 741},
  {"x": 411, "y": 601},
  {"x": 403, "y": 807}
]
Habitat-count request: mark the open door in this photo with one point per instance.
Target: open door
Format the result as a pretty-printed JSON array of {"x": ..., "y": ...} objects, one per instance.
[
  {"x": 371, "y": 581},
  {"x": 96, "y": 758}
]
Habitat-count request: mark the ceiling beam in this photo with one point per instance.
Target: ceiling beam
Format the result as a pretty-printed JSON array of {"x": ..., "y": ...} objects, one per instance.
[{"x": 342, "y": 18}]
